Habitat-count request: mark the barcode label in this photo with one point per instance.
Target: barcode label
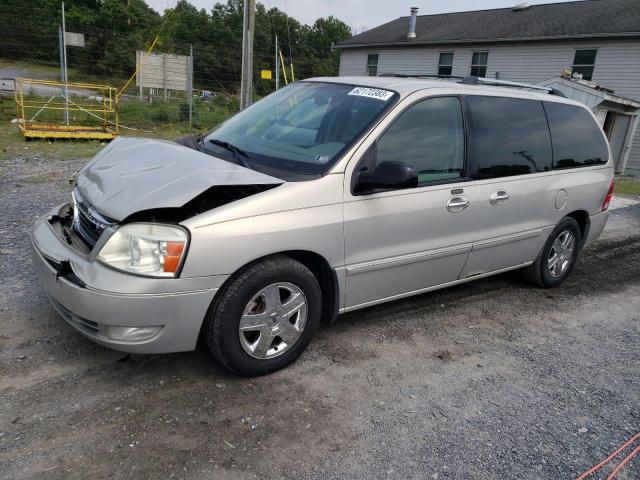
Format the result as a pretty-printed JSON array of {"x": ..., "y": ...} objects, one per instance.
[{"x": 378, "y": 93}]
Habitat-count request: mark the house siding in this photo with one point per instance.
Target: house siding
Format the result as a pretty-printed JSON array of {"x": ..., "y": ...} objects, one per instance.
[{"x": 617, "y": 66}]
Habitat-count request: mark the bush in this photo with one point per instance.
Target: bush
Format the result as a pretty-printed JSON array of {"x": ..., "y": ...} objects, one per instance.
[{"x": 163, "y": 112}]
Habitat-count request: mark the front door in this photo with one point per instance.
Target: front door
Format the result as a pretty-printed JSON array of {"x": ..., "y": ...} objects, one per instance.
[{"x": 402, "y": 242}]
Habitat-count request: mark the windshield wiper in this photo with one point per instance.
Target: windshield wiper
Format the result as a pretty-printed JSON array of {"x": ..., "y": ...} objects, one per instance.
[{"x": 238, "y": 153}]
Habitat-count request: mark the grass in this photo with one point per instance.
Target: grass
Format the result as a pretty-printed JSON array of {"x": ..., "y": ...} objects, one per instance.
[
  {"x": 176, "y": 113},
  {"x": 12, "y": 144},
  {"x": 627, "y": 186},
  {"x": 37, "y": 70},
  {"x": 160, "y": 119},
  {"x": 51, "y": 71}
]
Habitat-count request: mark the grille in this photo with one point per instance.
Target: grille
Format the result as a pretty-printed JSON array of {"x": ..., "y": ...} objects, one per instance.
[{"x": 88, "y": 223}]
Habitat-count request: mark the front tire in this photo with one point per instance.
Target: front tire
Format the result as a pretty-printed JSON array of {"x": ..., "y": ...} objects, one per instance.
[
  {"x": 265, "y": 317},
  {"x": 558, "y": 256}
]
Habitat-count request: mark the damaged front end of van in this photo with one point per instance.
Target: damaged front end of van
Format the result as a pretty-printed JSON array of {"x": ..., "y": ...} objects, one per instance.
[{"x": 110, "y": 259}]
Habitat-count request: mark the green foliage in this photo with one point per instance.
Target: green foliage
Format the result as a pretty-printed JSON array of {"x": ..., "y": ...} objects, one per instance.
[
  {"x": 115, "y": 29},
  {"x": 627, "y": 186},
  {"x": 206, "y": 114}
]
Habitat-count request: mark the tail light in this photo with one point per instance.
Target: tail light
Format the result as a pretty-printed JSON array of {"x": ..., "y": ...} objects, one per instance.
[{"x": 607, "y": 199}]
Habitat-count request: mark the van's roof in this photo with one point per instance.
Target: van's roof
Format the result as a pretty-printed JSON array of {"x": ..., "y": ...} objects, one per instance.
[{"x": 407, "y": 85}]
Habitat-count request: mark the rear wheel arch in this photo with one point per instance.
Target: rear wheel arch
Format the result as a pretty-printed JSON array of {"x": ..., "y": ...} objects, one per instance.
[
  {"x": 538, "y": 272},
  {"x": 582, "y": 217}
]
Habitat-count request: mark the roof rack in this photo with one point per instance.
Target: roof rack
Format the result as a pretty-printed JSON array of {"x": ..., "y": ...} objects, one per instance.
[
  {"x": 402, "y": 75},
  {"x": 504, "y": 83},
  {"x": 472, "y": 80}
]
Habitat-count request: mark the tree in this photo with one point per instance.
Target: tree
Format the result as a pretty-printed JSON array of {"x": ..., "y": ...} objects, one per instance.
[
  {"x": 115, "y": 29},
  {"x": 325, "y": 32}
]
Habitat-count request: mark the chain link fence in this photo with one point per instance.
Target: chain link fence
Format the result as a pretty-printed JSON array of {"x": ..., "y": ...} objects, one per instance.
[{"x": 31, "y": 49}]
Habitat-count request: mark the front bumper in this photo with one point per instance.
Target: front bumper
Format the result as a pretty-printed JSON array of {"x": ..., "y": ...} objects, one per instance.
[{"x": 91, "y": 296}]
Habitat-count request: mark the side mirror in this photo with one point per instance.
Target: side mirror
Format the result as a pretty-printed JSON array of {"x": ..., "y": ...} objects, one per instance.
[{"x": 388, "y": 176}]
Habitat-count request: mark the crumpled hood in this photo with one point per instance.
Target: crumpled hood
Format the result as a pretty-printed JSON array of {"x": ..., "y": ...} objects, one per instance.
[{"x": 135, "y": 174}]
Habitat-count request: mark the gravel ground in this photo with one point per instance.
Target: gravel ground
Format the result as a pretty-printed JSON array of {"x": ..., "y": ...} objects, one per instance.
[{"x": 493, "y": 379}]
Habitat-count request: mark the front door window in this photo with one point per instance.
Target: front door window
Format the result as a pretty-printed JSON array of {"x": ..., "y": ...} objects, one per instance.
[{"x": 429, "y": 136}]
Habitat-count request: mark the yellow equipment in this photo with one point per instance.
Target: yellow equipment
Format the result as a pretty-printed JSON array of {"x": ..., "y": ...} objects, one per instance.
[{"x": 49, "y": 109}]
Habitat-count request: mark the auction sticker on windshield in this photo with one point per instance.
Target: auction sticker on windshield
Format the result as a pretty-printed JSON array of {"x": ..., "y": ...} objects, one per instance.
[{"x": 378, "y": 93}]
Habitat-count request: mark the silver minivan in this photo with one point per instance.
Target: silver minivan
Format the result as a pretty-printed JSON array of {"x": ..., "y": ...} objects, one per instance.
[{"x": 327, "y": 196}]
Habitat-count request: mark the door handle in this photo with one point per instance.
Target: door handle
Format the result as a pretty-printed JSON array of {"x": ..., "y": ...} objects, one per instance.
[
  {"x": 499, "y": 197},
  {"x": 457, "y": 203}
]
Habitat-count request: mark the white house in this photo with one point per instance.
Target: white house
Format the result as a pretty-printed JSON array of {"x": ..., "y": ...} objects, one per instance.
[{"x": 599, "y": 39}]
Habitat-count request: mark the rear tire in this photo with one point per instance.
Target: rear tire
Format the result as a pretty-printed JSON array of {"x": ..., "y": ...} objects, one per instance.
[
  {"x": 558, "y": 256},
  {"x": 249, "y": 327}
]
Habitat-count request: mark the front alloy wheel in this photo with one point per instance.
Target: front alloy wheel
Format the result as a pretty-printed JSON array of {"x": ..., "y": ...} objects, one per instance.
[
  {"x": 273, "y": 320},
  {"x": 265, "y": 317}
]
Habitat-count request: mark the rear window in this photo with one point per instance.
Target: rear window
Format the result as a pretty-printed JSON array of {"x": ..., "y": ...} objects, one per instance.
[
  {"x": 577, "y": 138},
  {"x": 510, "y": 136}
]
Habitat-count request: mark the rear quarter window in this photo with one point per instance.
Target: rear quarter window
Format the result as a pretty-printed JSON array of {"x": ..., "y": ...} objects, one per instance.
[{"x": 577, "y": 138}]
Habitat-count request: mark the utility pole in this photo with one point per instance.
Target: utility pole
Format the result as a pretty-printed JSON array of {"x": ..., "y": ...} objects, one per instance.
[
  {"x": 246, "y": 82},
  {"x": 277, "y": 65},
  {"x": 64, "y": 69}
]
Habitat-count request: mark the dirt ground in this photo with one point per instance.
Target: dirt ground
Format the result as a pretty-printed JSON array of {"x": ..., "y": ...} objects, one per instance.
[{"x": 493, "y": 379}]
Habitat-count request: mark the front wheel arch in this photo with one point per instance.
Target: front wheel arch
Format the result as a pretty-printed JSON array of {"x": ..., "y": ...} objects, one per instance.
[
  {"x": 319, "y": 266},
  {"x": 224, "y": 317}
]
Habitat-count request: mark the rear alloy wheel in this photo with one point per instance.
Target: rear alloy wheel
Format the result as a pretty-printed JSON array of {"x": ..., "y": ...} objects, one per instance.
[
  {"x": 558, "y": 256},
  {"x": 265, "y": 317},
  {"x": 561, "y": 254}
]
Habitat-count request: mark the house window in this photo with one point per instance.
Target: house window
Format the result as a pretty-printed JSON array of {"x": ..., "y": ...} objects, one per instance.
[
  {"x": 372, "y": 64},
  {"x": 479, "y": 64},
  {"x": 445, "y": 64},
  {"x": 583, "y": 62}
]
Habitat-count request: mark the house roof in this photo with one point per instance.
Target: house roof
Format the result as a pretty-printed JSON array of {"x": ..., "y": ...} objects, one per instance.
[{"x": 567, "y": 20}]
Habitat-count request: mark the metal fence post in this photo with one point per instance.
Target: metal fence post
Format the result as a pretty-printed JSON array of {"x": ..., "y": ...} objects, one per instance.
[
  {"x": 139, "y": 67},
  {"x": 64, "y": 70},
  {"x": 190, "y": 86},
  {"x": 164, "y": 74},
  {"x": 277, "y": 65}
]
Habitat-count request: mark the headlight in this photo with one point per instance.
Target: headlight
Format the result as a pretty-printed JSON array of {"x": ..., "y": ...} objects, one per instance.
[{"x": 145, "y": 249}]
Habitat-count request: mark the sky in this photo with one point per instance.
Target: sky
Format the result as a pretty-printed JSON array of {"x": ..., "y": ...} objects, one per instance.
[{"x": 361, "y": 15}]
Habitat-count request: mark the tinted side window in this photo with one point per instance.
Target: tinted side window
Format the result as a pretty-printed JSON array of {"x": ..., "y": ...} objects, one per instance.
[
  {"x": 577, "y": 138},
  {"x": 428, "y": 136},
  {"x": 510, "y": 136}
]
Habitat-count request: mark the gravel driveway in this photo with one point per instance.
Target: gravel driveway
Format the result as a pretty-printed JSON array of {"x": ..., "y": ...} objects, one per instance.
[{"x": 493, "y": 379}]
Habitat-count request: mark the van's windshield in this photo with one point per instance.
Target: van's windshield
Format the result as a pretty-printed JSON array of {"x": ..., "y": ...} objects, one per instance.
[{"x": 302, "y": 128}]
